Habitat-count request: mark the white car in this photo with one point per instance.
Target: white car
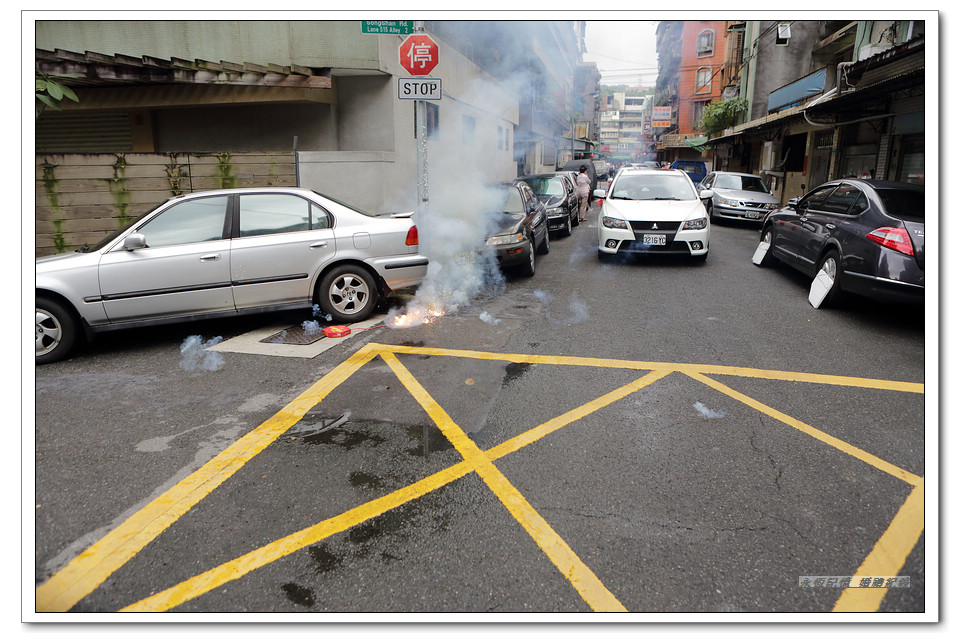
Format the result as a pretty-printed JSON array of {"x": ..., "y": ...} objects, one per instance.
[
  {"x": 225, "y": 253},
  {"x": 653, "y": 212}
]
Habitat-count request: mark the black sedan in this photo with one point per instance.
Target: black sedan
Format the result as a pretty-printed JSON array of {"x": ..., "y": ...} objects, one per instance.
[
  {"x": 519, "y": 222},
  {"x": 859, "y": 236},
  {"x": 559, "y": 196}
]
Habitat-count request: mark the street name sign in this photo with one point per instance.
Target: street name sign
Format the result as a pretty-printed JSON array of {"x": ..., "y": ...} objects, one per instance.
[{"x": 389, "y": 27}]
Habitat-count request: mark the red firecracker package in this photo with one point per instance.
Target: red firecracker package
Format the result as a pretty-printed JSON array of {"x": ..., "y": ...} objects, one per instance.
[{"x": 336, "y": 331}]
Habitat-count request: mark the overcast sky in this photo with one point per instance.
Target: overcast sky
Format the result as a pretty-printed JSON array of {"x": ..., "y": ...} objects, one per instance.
[{"x": 625, "y": 51}]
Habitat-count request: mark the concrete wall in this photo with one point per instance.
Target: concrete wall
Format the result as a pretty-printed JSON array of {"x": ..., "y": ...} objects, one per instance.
[
  {"x": 80, "y": 198},
  {"x": 779, "y": 64}
]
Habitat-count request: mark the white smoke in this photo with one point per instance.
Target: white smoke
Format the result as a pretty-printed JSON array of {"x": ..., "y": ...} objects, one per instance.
[
  {"x": 194, "y": 354},
  {"x": 464, "y": 202}
]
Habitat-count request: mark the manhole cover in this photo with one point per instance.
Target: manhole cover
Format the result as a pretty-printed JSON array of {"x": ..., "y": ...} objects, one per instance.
[{"x": 297, "y": 335}]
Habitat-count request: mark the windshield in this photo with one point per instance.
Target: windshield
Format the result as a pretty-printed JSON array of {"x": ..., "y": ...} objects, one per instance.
[
  {"x": 653, "y": 187},
  {"x": 747, "y": 183},
  {"x": 547, "y": 187},
  {"x": 906, "y": 204}
]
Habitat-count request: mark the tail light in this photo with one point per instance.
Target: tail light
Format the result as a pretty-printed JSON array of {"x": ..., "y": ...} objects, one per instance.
[
  {"x": 413, "y": 237},
  {"x": 894, "y": 238}
]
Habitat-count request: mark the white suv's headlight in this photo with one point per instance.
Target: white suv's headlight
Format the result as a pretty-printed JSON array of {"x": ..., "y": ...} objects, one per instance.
[
  {"x": 610, "y": 222},
  {"x": 694, "y": 224},
  {"x": 504, "y": 239}
]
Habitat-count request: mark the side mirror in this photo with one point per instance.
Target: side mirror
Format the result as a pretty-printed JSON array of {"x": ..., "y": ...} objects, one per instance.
[
  {"x": 134, "y": 241},
  {"x": 706, "y": 194},
  {"x": 792, "y": 203},
  {"x": 599, "y": 194}
]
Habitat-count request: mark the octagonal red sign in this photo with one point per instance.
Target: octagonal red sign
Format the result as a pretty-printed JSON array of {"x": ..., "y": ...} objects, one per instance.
[{"x": 419, "y": 54}]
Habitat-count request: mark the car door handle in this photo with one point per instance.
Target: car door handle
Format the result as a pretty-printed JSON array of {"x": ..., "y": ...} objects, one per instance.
[
  {"x": 319, "y": 244},
  {"x": 829, "y": 226},
  {"x": 206, "y": 258}
]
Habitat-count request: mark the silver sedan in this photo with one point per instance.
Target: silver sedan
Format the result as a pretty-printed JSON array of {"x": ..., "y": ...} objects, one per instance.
[{"x": 222, "y": 253}]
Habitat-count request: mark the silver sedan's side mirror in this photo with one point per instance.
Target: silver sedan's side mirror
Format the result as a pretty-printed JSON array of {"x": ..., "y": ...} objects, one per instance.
[{"x": 134, "y": 241}]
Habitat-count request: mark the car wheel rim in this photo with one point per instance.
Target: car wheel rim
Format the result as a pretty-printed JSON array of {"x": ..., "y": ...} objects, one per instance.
[
  {"x": 349, "y": 294},
  {"x": 48, "y": 332},
  {"x": 829, "y": 268}
]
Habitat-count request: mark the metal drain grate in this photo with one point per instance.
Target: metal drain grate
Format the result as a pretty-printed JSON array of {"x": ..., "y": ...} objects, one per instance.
[{"x": 296, "y": 335}]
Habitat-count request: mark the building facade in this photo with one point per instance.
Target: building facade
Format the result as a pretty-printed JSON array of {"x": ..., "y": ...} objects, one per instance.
[
  {"x": 823, "y": 99},
  {"x": 325, "y": 92}
]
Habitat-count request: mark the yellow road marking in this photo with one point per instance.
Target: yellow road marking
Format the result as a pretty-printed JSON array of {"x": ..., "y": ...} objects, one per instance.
[
  {"x": 92, "y": 567},
  {"x": 234, "y": 569},
  {"x": 590, "y": 588},
  {"x": 231, "y": 570},
  {"x": 888, "y": 555},
  {"x": 88, "y": 570},
  {"x": 846, "y": 447},
  {"x": 562, "y": 360}
]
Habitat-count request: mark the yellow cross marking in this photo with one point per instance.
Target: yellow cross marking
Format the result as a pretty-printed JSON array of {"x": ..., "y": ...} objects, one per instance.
[{"x": 90, "y": 569}]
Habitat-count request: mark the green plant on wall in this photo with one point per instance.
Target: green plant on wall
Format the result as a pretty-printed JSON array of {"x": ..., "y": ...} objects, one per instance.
[
  {"x": 176, "y": 174},
  {"x": 51, "y": 189},
  {"x": 225, "y": 177},
  {"x": 119, "y": 191},
  {"x": 720, "y": 115}
]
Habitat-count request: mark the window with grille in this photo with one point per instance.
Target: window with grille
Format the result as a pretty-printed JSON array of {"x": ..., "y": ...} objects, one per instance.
[
  {"x": 705, "y": 43},
  {"x": 704, "y": 78}
]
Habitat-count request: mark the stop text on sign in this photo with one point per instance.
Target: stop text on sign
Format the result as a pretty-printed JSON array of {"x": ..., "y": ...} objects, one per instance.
[{"x": 419, "y": 88}]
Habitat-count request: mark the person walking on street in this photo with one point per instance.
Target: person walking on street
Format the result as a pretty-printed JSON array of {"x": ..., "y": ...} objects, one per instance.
[{"x": 583, "y": 192}]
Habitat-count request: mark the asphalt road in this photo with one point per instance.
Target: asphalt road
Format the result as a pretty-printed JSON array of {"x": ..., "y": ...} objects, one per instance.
[{"x": 654, "y": 436}]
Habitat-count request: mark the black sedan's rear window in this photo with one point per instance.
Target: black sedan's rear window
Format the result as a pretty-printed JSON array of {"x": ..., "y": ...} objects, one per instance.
[{"x": 906, "y": 204}]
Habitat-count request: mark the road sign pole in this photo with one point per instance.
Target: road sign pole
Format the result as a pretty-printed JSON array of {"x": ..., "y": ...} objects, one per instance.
[{"x": 423, "y": 186}]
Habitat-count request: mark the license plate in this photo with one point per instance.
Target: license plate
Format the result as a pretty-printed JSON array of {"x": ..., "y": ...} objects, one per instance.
[
  {"x": 752, "y": 215},
  {"x": 466, "y": 257},
  {"x": 654, "y": 239}
]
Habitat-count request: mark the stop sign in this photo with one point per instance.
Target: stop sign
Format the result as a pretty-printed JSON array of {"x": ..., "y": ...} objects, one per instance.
[{"x": 419, "y": 54}]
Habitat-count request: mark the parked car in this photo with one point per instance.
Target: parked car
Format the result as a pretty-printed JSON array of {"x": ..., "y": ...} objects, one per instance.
[
  {"x": 520, "y": 224},
  {"x": 696, "y": 169},
  {"x": 557, "y": 193},
  {"x": 653, "y": 212},
  {"x": 653, "y": 165},
  {"x": 602, "y": 168},
  {"x": 850, "y": 235},
  {"x": 737, "y": 196},
  {"x": 224, "y": 253}
]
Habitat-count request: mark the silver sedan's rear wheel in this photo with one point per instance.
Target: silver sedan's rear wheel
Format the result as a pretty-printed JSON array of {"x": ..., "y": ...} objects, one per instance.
[
  {"x": 348, "y": 294},
  {"x": 55, "y": 331}
]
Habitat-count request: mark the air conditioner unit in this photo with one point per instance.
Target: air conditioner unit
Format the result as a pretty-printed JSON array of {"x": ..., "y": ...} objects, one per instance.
[{"x": 770, "y": 155}]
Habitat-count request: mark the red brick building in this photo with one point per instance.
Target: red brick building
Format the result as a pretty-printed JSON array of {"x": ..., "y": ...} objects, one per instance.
[{"x": 703, "y": 70}]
